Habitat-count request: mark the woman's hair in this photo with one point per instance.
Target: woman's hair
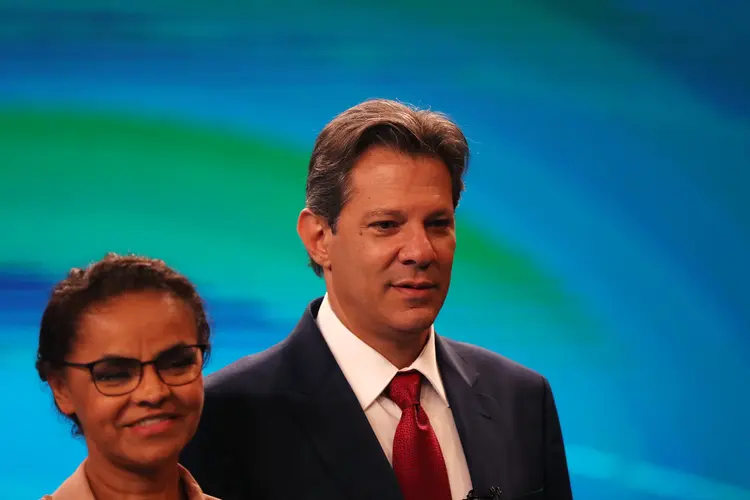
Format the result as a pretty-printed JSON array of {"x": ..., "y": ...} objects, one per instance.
[{"x": 110, "y": 277}]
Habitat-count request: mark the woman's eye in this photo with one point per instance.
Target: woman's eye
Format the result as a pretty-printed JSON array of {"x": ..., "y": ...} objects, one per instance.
[
  {"x": 180, "y": 362},
  {"x": 111, "y": 376}
]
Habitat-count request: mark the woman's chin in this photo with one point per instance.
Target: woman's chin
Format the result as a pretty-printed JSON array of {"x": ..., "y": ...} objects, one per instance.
[{"x": 151, "y": 457}]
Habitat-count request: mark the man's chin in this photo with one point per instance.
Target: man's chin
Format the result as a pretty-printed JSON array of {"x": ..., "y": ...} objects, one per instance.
[{"x": 414, "y": 320}]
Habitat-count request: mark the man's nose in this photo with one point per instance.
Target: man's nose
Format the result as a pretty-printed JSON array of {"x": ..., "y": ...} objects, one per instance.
[{"x": 418, "y": 249}]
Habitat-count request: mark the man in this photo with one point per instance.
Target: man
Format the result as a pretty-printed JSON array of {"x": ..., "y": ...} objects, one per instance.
[{"x": 364, "y": 401}]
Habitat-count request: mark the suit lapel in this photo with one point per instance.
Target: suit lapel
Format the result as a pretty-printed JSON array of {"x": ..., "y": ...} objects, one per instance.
[
  {"x": 477, "y": 419},
  {"x": 330, "y": 413}
]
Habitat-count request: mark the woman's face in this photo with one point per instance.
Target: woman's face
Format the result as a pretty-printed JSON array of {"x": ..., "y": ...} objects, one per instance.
[{"x": 152, "y": 424}]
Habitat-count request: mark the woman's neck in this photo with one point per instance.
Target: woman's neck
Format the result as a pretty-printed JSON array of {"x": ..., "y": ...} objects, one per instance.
[{"x": 109, "y": 481}]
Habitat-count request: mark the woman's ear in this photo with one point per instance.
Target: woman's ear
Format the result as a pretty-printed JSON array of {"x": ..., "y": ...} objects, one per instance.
[{"x": 61, "y": 393}]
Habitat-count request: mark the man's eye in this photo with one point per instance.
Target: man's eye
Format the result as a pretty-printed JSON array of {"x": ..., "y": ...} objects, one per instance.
[
  {"x": 440, "y": 223},
  {"x": 384, "y": 224}
]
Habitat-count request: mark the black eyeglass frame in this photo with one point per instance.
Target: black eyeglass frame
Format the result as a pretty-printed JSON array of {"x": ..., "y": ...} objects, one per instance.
[{"x": 90, "y": 367}]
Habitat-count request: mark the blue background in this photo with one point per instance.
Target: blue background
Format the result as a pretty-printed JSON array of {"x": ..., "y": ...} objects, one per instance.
[{"x": 603, "y": 237}]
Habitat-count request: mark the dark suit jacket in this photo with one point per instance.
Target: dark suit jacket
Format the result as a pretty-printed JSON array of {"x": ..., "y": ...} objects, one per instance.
[{"x": 285, "y": 424}]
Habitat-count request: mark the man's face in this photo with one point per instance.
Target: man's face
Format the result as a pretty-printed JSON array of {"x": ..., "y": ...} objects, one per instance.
[{"x": 390, "y": 258}]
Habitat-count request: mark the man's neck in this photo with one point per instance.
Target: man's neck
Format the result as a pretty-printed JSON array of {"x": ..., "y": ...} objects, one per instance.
[
  {"x": 110, "y": 481},
  {"x": 401, "y": 349},
  {"x": 399, "y": 354}
]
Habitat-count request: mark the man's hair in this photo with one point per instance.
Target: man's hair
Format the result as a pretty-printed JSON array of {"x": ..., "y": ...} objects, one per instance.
[
  {"x": 378, "y": 122},
  {"x": 111, "y": 277}
]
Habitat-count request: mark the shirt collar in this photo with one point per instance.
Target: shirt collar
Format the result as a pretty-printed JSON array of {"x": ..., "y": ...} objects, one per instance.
[
  {"x": 366, "y": 370},
  {"x": 77, "y": 486}
]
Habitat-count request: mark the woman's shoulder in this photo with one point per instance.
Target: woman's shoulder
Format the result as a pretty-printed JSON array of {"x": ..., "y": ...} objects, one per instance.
[
  {"x": 192, "y": 488},
  {"x": 75, "y": 487}
]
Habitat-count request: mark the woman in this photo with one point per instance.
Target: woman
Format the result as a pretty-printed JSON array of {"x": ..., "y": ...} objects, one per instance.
[{"x": 122, "y": 345}]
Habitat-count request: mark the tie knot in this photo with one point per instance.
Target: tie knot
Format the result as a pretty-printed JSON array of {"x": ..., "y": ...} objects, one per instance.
[{"x": 404, "y": 389}]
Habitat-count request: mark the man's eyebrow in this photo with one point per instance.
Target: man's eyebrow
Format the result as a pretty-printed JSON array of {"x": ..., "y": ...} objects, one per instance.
[
  {"x": 383, "y": 212},
  {"x": 441, "y": 213}
]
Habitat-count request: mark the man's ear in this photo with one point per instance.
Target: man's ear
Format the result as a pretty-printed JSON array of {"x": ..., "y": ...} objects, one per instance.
[
  {"x": 316, "y": 236},
  {"x": 61, "y": 393}
]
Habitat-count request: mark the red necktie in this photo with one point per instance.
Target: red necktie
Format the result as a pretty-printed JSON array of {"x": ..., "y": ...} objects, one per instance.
[{"x": 417, "y": 459}]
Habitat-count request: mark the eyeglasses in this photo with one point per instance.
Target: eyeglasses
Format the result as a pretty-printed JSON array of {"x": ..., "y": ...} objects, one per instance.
[{"x": 116, "y": 376}]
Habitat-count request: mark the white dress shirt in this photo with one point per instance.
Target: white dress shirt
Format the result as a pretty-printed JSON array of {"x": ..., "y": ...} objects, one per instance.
[{"x": 369, "y": 374}]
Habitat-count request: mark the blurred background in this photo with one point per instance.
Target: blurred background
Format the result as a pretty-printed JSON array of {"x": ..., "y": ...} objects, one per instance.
[{"x": 603, "y": 237}]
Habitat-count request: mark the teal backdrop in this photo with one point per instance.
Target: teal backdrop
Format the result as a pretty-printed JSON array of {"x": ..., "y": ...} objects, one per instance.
[{"x": 603, "y": 237}]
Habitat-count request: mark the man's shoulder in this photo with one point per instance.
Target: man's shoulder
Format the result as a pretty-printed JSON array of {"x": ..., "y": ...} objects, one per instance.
[
  {"x": 275, "y": 369},
  {"x": 492, "y": 364},
  {"x": 250, "y": 374}
]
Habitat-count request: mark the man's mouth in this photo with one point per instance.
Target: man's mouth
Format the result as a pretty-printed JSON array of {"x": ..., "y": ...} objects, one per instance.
[{"x": 415, "y": 285}]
